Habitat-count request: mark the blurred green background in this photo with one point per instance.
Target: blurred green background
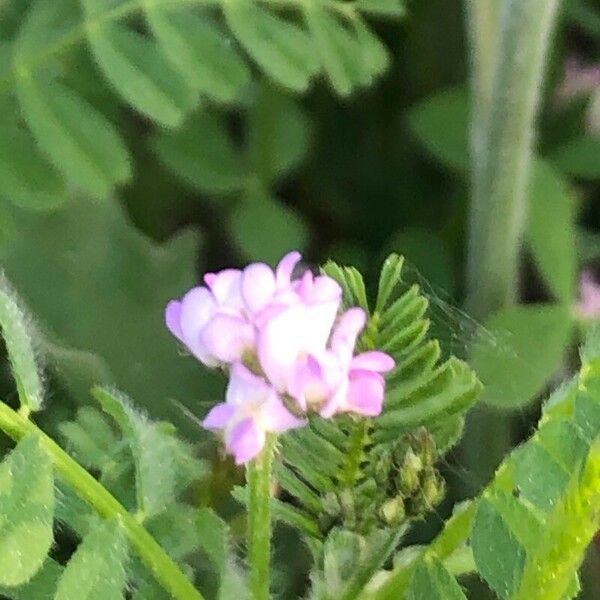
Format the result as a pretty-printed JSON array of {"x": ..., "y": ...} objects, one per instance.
[{"x": 96, "y": 242}]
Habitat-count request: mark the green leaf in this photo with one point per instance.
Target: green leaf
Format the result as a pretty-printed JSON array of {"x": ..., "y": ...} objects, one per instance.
[
  {"x": 280, "y": 48},
  {"x": 335, "y": 47},
  {"x": 441, "y": 124},
  {"x": 350, "y": 54},
  {"x": 26, "y": 178},
  {"x": 382, "y": 8},
  {"x": 202, "y": 153},
  {"x": 118, "y": 314},
  {"x": 551, "y": 230},
  {"x": 26, "y": 511},
  {"x": 151, "y": 449},
  {"x": 137, "y": 69},
  {"x": 579, "y": 157},
  {"x": 265, "y": 229},
  {"x": 97, "y": 569},
  {"x": 533, "y": 339},
  {"x": 90, "y": 438},
  {"x": 41, "y": 586},
  {"x": 431, "y": 580},
  {"x": 42, "y": 26},
  {"x": 200, "y": 51},
  {"x": 17, "y": 331},
  {"x": 215, "y": 540},
  {"x": 76, "y": 138},
  {"x": 279, "y": 133},
  {"x": 537, "y": 517}
]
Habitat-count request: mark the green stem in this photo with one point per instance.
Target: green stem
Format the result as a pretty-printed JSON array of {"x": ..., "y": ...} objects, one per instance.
[
  {"x": 259, "y": 520},
  {"x": 507, "y": 90},
  {"x": 509, "y": 41},
  {"x": 166, "y": 572}
]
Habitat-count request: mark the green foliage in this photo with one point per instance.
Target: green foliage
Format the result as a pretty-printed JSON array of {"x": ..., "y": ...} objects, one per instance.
[
  {"x": 551, "y": 230},
  {"x": 519, "y": 367},
  {"x": 441, "y": 124},
  {"x": 258, "y": 212},
  {"x": 26, "y": 511},
  {"x": 534, "y": 522},
  {"x": 151, "y": 450},
  {"x": 579, "y": 157},
  {"x": 163, "y": 70},
  {"x": 97, "y": 569},
  {"x": 18, "y": 339},
  {"x": 120, "y": 308}
]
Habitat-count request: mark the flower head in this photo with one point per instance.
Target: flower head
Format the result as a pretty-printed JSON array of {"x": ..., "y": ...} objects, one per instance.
[{"x": 284, "y": 344}]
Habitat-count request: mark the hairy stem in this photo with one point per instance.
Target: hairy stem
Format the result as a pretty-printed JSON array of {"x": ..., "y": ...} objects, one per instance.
[
  {"x": 509, "y": 41},
  {"x": 507, "y": 90},
  {"x": 165, "y": 571},
  {"x": 259, "y": 520}
]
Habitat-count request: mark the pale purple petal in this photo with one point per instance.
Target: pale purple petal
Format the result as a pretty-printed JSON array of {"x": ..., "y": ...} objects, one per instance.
[
  {"x": 245, "y": 441},
  {"x": 197, "y": 307},
  {"x": 279, "y": 343},
  {"x": 325, "y": 289},
  {"x": 373, "y": 361},
  {"x": 258, "y": 286},
  {"x": 307, "y": 380},
  {"x": 276, "y": 418},
  {"x": 227, "y": 337},
  {"x": 296, "y": 331},
  {"x": 246, "y": 388},
  {"x": 219, "y": 416},
  {"x": 365, "y": 393},
  {"x": 226, "y": 287},
  {"x": 173, "y": 318},
  {"x": 346, "y": 331},
  {"x": 286, "y": 267}
]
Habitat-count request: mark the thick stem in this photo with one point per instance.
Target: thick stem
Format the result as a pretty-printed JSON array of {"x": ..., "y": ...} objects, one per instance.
[
  {"x": 259, "y": 520},
  {"x": 509, "y": 41},
  {"x": 507, "y": 90},
  {"x": 166, "y": 572}
]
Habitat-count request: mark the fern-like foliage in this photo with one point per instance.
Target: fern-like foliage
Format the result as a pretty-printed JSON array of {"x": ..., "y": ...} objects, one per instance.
[
  {"x": 163, "y": 59},
  {"x": 366, "y": 474}
]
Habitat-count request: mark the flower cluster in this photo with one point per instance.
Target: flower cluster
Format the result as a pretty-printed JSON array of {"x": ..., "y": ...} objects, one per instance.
[{"x": 287, "y": 349}]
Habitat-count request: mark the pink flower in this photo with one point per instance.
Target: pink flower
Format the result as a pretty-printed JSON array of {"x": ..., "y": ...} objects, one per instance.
[
  {"x": 288, "y": 332},
  {"x": 251, "y": 409},
  {"x": 218, "y": 322},
  {"x": 298, "y": 360},
  {"x": 589, "y": 305}
]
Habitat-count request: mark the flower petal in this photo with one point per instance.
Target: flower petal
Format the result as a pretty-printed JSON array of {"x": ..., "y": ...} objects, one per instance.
[
  {"x": 173, "y": 318},
  {"x": 245, "y": 441},
  {"x": 286, "y": 267},
  {"x": 227, "y": 337},
  {"x": 245, "y": 388},
  {"x": 218, "y": 416},
  {"x": 365, "y": 393},
  {"x": 197, "y": 307},
  {"x": 226, "y": 287},
  {"x": 276, "y": 418},
  {"x": 345, "y": 333},
  {"x": 258, "y": 286},
  {"x": 373, "y": 361}
]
